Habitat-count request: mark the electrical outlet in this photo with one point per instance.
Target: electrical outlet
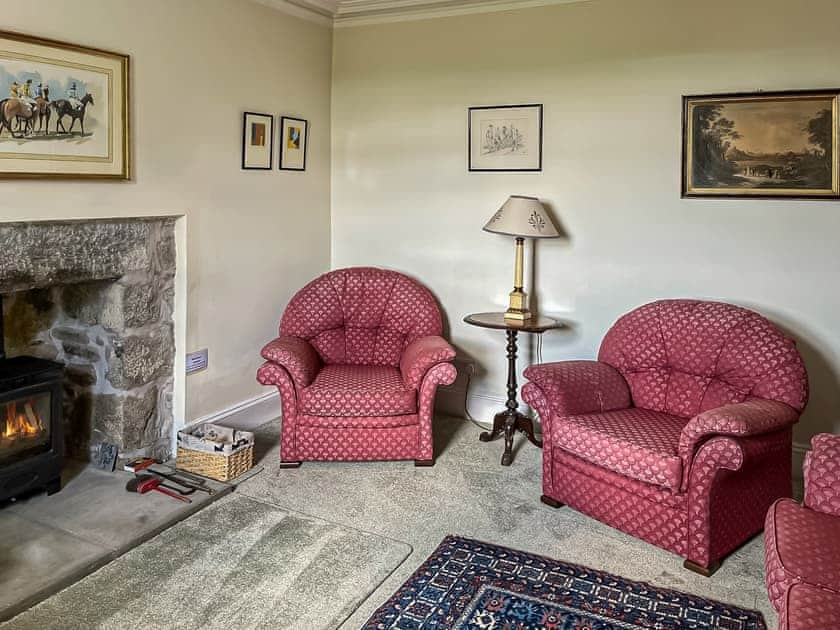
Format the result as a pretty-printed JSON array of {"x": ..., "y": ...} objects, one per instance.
[{"x": 197, "y": 361}]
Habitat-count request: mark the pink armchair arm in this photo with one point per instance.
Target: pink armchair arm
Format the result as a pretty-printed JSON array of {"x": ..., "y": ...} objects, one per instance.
[
  {"x": 751, "y": 417},
  {"x": 578, "y": 387},
  {"x": 296, "y": 355},
  {"x": 421, "y": 355},
  {"x": 822, "y": 474}
]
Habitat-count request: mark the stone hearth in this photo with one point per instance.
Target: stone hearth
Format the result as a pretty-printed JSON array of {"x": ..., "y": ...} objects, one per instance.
[{"x": 98, "y": 296}]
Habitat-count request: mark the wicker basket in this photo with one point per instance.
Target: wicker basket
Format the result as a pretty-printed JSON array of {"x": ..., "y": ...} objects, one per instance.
[
  {"x": 226, "y": 457},
  {"x": 214, "y": 465}
]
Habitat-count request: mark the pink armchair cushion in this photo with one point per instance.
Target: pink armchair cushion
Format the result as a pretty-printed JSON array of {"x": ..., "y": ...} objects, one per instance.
[
  {"x": 638, "y": 443},
  {"x": 822, "y": 474},
  {"x": 296, "y": 355},
  {"x": 358, "y": 390},
  {"x": 422, "y": 354},
  {"x": 580, "y": 387},
  {"x": 362, "y": 316},
  {"x": 686, "y": 356},
  {"x": 802, "y": 546},
  {"x": 752, "y": 417}
]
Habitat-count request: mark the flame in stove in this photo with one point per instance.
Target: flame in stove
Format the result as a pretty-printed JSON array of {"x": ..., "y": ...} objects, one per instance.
[{"x": 23, "y": 421}]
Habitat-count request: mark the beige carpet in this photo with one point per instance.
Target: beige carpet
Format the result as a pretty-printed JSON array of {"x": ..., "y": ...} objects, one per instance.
[
  {"x": 239, "y": 563},
  {"x": 468, "y": 493}
]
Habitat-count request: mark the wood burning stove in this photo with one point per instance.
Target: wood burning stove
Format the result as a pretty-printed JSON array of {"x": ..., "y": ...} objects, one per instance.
[{"x": 31, "y": 441}]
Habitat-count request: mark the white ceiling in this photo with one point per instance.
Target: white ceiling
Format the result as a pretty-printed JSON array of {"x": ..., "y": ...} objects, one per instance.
[{"x": 349, "y": 12}]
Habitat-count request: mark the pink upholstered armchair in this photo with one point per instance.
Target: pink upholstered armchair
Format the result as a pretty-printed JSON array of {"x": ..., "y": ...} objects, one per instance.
[
  {"x": 802, "y": 545},
  {"x": 358, "y": 361},
  {"x": 680, "y": 433}
]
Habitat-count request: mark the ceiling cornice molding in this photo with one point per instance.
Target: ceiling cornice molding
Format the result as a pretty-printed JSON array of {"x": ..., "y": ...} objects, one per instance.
[
  {"x": 320, "y": 11},
  {"x": 342, "y": 13},
  {"x": 361, "y": 12}
]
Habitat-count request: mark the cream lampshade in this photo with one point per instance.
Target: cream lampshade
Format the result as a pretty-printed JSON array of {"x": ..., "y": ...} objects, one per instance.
[{"x": 521, "y": 217}]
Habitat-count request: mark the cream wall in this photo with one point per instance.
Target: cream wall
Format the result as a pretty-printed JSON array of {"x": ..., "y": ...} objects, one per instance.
[
  {"x": 252, "y": 237},
  {"x": 610, "y": 74}
]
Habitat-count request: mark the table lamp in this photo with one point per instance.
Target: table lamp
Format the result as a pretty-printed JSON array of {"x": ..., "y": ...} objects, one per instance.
[{"x": 522, "y": 217}]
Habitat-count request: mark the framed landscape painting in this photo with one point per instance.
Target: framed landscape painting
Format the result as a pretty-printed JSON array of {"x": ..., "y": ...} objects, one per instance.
[
  {"x": 63, "y": 110},
  {"x": 505, "y": 138},
  {"x": 257, "y": 141},
  {"x": 294, "y": 135},
  {"x": 768, "y": 144}
]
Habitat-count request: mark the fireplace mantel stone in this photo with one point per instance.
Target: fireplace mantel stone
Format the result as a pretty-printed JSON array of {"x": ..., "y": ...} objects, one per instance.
[
  {"x": 98, "y": 296},
  {"x": 39, "y": 254}
]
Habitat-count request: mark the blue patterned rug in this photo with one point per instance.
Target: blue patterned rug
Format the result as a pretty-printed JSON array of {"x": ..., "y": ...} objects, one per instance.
[{"x": 468, "y": 584}]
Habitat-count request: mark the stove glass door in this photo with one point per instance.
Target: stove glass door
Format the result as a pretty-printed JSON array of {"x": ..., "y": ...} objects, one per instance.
[{"x": 24, "y": 426}]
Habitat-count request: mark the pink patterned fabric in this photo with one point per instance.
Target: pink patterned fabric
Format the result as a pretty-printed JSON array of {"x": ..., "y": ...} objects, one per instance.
[
  {"x": 802, "y": 545},
  {"x": 802, "y": 565},
  {"x": 822, "y": 476},
  {"x": 638, "y": 443},
  {"x": 357, "y": 365},
  {"x": 358, "y": 390},
  {"x": 296, "y": 355},
  {"x": 752, "y": 417},
  {"x": 420, "y": 355},
  {"x": 725, "y": 508},
  {"x": 357, "y": 422},
  {"x": 355, "y": 444},
  {"x": 580, "y": 387},
  {"x": 362, "y": 315},
  {"x": 809, "y": 608},
  {"x": 690, "y": 400},
  {"x": 642, "y": 510},
  {"x": 686, "y": 356}
]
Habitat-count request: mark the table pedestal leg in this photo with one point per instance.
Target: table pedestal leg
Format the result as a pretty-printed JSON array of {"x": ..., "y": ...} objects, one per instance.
[{"x": 509, "y": 421}]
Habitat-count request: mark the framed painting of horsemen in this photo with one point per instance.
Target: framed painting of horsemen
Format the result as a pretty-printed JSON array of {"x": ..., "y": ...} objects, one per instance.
[
  {"x": 764, "y": 145},
  {"x": 505, "y": 138},
  {"x": 63, "y": 110}
]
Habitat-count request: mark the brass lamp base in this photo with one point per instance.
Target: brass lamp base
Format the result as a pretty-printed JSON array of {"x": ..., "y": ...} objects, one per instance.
[
  {"x": 518, "y": 306},
  {"x": 517, "y": 316}
]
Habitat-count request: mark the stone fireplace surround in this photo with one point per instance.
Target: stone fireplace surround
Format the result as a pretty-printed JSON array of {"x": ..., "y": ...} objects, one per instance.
[{"x": 98, "y": 296}]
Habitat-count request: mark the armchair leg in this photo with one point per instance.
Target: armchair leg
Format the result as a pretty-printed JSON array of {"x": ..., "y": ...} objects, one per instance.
[
  {"x": 551, "y": 502},
  {"x": 704, "y": 571},
  {"x": 423, "y": 463},
  {"x": 289, "y": 464}
]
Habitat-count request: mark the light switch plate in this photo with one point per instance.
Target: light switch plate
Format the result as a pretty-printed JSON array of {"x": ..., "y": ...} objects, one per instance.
[{"x": 197, "y": 361}]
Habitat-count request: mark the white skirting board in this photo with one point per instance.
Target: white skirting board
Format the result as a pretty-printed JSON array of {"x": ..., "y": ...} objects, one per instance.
[{"x": 247, "y": 414}]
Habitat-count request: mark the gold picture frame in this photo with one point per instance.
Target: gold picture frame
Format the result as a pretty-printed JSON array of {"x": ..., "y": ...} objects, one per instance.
[
  {"x": 64, "y": 110},
  {"x": 762, "y": 145}
]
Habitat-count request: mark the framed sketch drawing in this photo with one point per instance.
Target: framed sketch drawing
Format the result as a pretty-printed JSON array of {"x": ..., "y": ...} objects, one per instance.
[
  {"x": 766, "y": 144},
  {"x": 64, "y": 110},
  {"x": 294, "y": 135},
  {"x": 257, "y": 141},
  {"x": 505, "y": 138}
]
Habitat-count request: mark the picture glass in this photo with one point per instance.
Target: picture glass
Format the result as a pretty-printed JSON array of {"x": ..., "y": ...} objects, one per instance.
[
  {"x": 257, "y": 141},
  {"x": 762, "y": 145},
  {"x": 62, "y": 109},
  {"x": 505, "y": 138},
  {"x": 293, "y": 147}
]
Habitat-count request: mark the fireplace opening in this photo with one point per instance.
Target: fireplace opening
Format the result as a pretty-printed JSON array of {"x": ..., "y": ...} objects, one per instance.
[{"x": 31, "y": 447}]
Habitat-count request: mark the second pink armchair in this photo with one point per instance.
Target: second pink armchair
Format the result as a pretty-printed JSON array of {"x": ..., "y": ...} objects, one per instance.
[{"x": 680, "y": 433}]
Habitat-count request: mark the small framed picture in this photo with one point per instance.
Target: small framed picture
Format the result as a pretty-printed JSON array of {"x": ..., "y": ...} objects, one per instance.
[
  {"x": 294, "y": 134},
  {"x": 505, "y": 138},
  {"x": 257, "y": 141},
  {"x": 763, "y": 145}
]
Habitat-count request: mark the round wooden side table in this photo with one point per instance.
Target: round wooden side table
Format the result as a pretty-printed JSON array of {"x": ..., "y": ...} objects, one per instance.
[{"x": 509, "y": 421}]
